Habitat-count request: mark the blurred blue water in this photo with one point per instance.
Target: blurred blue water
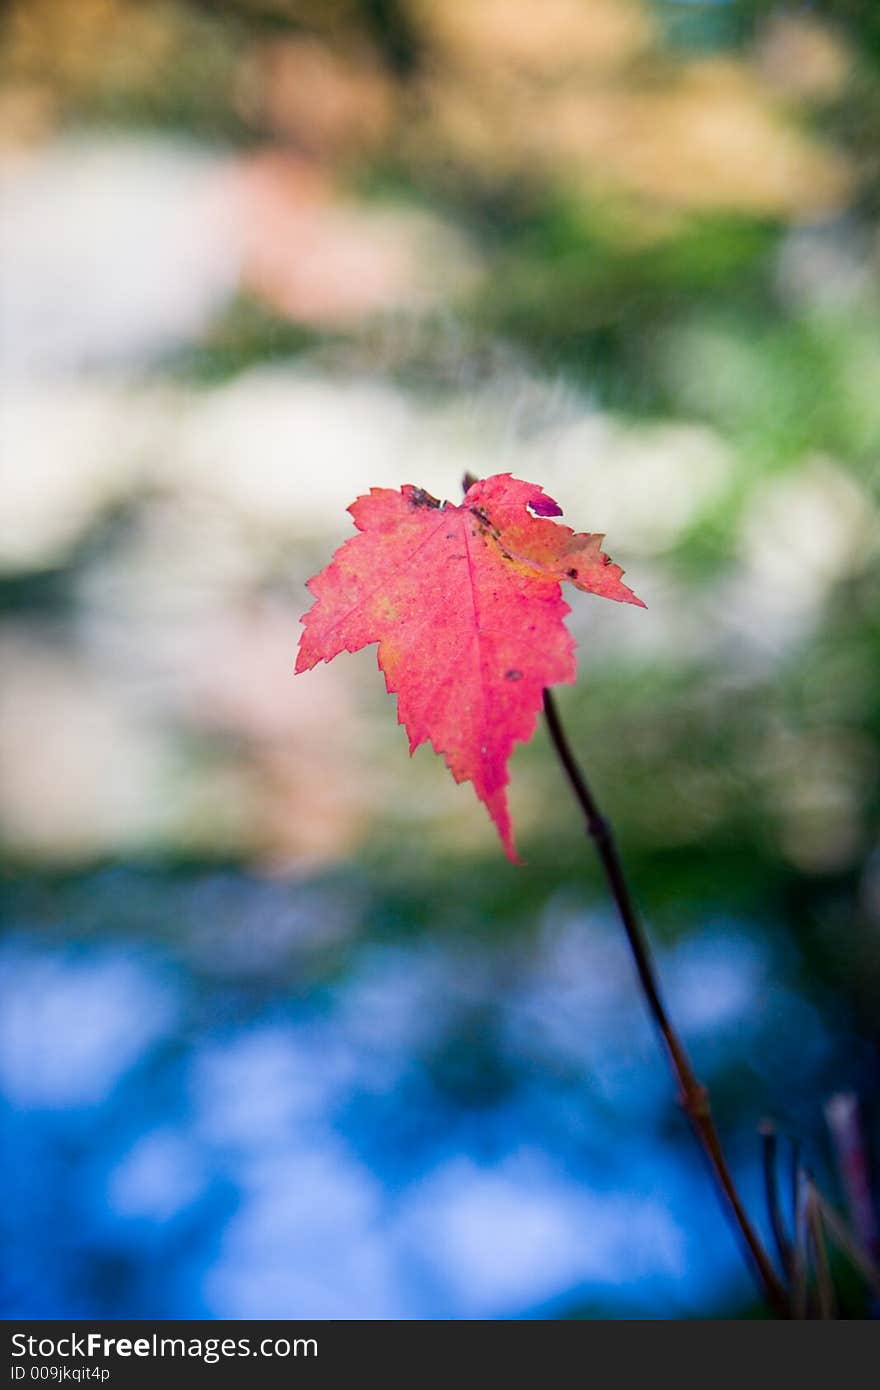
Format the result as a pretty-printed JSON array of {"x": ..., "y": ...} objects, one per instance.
[{"x": 221, "y": 1097}]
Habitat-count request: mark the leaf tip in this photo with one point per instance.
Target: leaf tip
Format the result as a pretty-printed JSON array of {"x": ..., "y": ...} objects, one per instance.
[{"x": 303, "y": 663}]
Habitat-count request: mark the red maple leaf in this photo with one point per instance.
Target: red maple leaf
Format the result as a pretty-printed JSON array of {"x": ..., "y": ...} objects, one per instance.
[{"x": 465, "y": 603}]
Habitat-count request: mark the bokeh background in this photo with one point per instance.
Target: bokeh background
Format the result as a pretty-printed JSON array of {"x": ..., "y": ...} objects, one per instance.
[{"x": 282, "y": 1032}]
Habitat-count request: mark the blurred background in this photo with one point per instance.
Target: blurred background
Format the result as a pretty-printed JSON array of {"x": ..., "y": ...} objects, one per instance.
[{"x": 282, "y": 1033}]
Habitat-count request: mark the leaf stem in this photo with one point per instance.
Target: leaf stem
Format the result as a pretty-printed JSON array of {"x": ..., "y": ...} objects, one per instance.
[{"x": 694, "y": 1095}]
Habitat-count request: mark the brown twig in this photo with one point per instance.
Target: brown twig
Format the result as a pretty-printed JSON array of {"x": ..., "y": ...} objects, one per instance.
[{"x": 694, "y": 1096}]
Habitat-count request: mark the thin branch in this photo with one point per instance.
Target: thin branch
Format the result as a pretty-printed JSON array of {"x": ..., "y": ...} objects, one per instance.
[
  {"x": 794, "y": 1178},
  {"x": 824, "y": 1282},
  {"x": 847, "y": 1244},
  {"x": 770, "y": 1162},
  {"x": 845, "y": 1124},
  {"x": 694, "y": 1096},
  {"x": 800, "y": 1265}
]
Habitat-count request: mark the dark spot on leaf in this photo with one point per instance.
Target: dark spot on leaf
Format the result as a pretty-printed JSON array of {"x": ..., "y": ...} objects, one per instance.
[
  {"x": 544, "y": 506},
  {"x": 420, "y": 498},
  {"x": 572, "y": 574},
  {"x": 513, "y": 675}
]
